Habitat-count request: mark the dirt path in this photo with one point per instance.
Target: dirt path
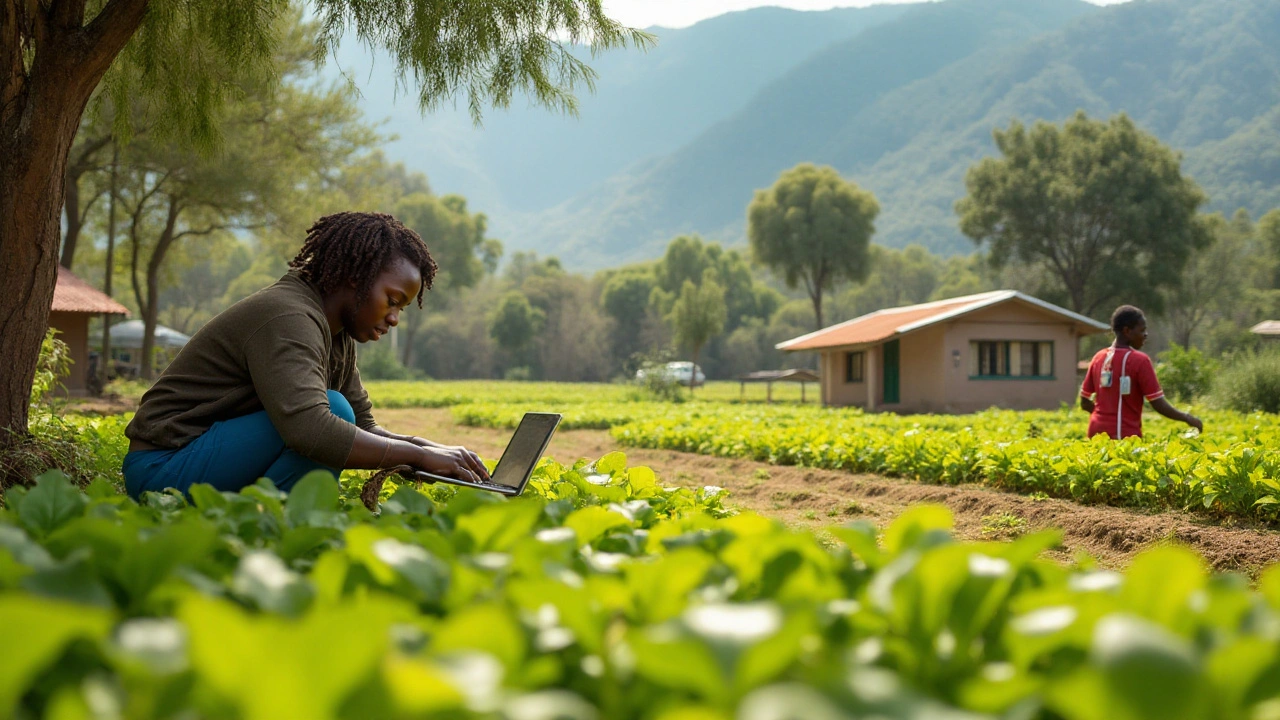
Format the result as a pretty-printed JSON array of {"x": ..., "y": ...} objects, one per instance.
[{"x": 818, "y": 498}]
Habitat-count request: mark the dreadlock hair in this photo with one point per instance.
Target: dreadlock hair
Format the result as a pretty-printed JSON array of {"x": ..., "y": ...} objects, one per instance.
[
  {"x": 1126, "y": 316},
  {"x": 354, "y": 247}
]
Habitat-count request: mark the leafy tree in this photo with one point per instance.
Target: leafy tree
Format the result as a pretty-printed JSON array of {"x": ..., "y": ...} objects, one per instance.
[
  {"x": 813, "y": 227},
  {"x": 1102, "y": 206},
  {"x": 178, "y": 56},
  {"x": 457, "y": 241},
  {"x": 625, "y": 299},
  {"x": 698, "y": 314},
  {"x": 514, "y": 323}
]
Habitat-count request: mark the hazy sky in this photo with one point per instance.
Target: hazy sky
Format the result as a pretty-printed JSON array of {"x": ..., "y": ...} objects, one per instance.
[{"x": 679, "y": 13}]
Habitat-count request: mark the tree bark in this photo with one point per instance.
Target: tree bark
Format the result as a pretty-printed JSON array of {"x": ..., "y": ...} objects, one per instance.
[
  {"x": 151, "y": 309},
  {"x": 41, "y": 103},
  {"x": 109, "y": 271},
  {"x": 77, "y": 167}
]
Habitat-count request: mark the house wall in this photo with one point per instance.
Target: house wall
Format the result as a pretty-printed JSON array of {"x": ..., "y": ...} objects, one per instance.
[
  {"x": 920, "y": 385},
  {"x": 1009, "y": 321},
  {"x": 73, "y": 329},
  {"x": 835, "y": 391}
]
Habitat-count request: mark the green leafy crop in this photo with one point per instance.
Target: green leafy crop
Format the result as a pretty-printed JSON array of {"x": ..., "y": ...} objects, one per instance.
[{"x": 598, "y": 594}]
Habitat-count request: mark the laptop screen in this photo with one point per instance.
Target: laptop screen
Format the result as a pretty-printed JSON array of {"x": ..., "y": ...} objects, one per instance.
[{"x": 525, "y": 448}]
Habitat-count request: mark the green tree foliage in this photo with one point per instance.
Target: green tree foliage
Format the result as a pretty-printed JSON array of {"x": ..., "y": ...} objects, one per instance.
[
  {"x": 514, "y": 323},
  {"x": 1249, "y": 382},
  {"x": 183, "y": 58},
  {"x": 1185, "y": 374},
  {"x": 625, "y": 299},
  {"x": 698, "y": 314},
  {"x": 458, "y": 243},
  {"x": 813, "y": 228},
  {"x": 277, "y": 137},
  {"x": 1102, "y": 206}
]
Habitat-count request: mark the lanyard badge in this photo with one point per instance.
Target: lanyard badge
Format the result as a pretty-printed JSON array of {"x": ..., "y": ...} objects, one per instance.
[{"x": 1105, "y": 380}]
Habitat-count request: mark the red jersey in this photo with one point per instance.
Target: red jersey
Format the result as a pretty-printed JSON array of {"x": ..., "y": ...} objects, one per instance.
[{"x": 1117, "y": 409}]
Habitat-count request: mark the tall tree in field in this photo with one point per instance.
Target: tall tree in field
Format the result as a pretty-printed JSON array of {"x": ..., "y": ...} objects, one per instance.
[
  {"x": 1102, "y": 206},
  {"x": 813, "y": 227},
  {"x": 458, "y": 243},
  {"x": 54, "y": 54},
  {"x": 514, "y": 324},
  {"x": 698, "y": 315}
]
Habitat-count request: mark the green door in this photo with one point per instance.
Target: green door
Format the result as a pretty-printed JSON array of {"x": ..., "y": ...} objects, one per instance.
[{"x": 891, "y": 373}]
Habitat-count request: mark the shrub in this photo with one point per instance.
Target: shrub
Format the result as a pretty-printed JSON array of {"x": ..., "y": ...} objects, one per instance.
[
  {"x": 379, "y": 362},
  {"x": 1250, "y": 382},
  {"x": 521, "y": 373},
  {"x": 1185, "y": 373},
  {"x": 52, "y": 368}
]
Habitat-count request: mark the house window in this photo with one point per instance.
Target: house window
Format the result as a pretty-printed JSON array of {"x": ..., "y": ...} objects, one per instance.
[
  {"x": 1010, "y": 359},
  {"x": 853, "y": 364}
]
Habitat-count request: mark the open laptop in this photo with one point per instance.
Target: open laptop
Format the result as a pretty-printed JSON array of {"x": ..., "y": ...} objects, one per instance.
[{"x": 518, "y": 461}]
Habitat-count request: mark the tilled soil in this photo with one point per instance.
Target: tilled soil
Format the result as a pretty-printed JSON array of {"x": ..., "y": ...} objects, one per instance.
[{"x": 805, "y": 497}]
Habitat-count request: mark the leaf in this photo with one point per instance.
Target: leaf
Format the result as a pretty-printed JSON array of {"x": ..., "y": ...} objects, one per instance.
[
  {"x": 590, "y": 523},
  {"x": 500, "y": 527},
  {"x": 612, "y": 463},
  {"x": 486, "y": 628},
  {"x": 312, "y": 501},
  {"x": 916, "y": 526},
  {"x": 426, "y": 572},
  {"x": 35, "y": 632},
  {"x": 206, "y": 497},
  {"x": 273, "y": 667},
  {"x": 52, "y": 502},
  {"x": 265, "y": 579},
  {"x": 408, "y": 500}
]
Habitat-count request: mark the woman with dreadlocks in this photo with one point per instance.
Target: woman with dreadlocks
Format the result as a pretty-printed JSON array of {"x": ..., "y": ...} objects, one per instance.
[{"x": 269, "y": 387}]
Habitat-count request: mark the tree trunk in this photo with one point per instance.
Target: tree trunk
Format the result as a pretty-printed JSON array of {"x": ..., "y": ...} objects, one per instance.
[
  {"x": 41, "y": 103},
  {"x": 110, "y": 269},
  {"x": 31, "y": 178},
  {"x": 817, "y": 307},
  {"x": 75, "y": 219},
  {"x": 151, "y": 309}
]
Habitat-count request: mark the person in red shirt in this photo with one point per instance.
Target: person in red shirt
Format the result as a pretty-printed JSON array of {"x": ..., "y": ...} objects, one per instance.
[{"x": 1120, "y": 378}]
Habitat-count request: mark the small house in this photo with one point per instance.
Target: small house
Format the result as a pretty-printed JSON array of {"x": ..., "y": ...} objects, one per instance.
[
  {"x": 1004, "y": 349},
  {"x": 74, "y": 303}
]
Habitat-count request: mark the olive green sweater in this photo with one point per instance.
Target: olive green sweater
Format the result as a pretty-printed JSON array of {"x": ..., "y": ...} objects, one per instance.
[{"x": 273, "y": 351}]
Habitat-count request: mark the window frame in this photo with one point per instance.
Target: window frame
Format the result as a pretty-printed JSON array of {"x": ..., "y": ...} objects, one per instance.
[
  {"x": 849, "y": 378},
  {"x": 1004, "y": 350}
]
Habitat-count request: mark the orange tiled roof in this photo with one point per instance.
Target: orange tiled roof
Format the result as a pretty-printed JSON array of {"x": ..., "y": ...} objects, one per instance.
[
  {"x": 885, "y": 324},
  {"x": 72, "y": 294}
]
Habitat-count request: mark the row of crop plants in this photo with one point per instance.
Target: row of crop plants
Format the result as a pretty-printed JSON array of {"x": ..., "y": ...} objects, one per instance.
[
  {"x": 600, "y": 594},
  {"x": 1233, "y": 470}
]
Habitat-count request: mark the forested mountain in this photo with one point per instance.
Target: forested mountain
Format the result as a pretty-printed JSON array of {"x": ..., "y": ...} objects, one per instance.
[
  {"x": 526, "y": 159},
  {"x": 901, "y": 99},
  {"x": 906, "y": 108}
]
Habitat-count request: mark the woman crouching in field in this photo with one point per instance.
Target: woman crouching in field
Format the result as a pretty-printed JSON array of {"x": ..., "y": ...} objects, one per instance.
[
  {"x": 1121, "y": 377},
  {"x": 269, "y": 387}
]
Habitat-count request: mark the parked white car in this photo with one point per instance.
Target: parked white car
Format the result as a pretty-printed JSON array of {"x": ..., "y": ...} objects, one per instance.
[{"x": 682, "y": 371}]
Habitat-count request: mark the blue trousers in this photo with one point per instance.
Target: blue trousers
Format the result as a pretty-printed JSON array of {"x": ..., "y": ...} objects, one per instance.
[{"x": 230, "y": 455}]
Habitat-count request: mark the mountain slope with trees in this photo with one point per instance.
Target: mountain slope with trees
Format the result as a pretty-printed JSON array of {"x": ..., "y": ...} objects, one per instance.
[{"x": 905, "y": 109}]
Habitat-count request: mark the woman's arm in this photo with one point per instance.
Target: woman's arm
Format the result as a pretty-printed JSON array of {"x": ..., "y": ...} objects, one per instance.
[
  {"x": 373, "y": 450},
  {"x": 1086, "y": 404},
  {"x": 1162, "y": 406}
]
